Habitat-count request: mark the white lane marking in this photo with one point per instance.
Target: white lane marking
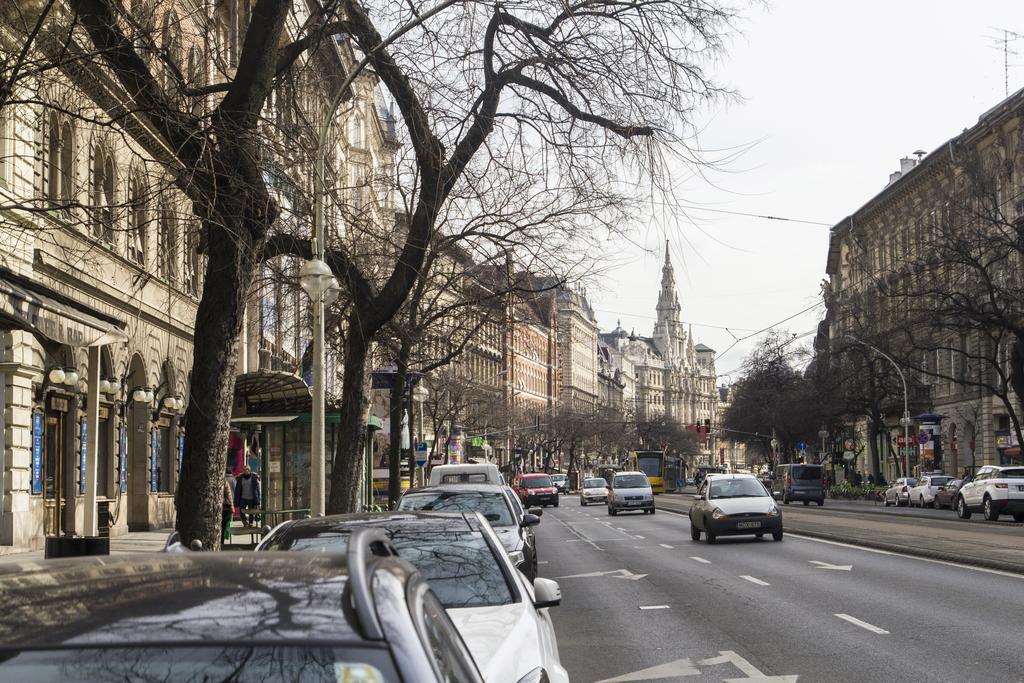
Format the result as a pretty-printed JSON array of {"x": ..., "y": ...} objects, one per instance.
[
  {"x": 654, "y": 607},
  {"x": 579, "y": 536},
  {"x": 863, "y": 624},
  {"x": 680, "y": 667},
  {"x": 542, "y": 562},
  {"x": 665, "y": 545},
  {"x": 700, "y": 559},
  {"x": 621, "y": 574},
  {"x": 755, "y": 580},
  {"x": 826, "y": 565},
  {"x": 751, "y": 672},
  {"x": 640, "y": 537},
  {"x": 877, "y": 551}
]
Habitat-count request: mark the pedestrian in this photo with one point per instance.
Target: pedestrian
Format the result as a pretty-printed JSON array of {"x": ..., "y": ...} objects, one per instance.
[
  {"x": 871, "y": 478},
  {"x": 247, "y": 493},
  {"x": 227, "y": 507},
  {"x": 966, "y": 476}
]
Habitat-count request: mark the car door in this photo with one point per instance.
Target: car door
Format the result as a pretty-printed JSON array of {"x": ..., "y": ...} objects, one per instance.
[
  {"x": 699, "y": 505},
  {"x": 972, "y": 490}
]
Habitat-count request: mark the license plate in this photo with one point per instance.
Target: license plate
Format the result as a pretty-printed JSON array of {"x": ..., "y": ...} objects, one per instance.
[
  {"x": 633, "y": 502},
  {"x": 1020, "y": 488},
  {"x": 748, "y": 525}
]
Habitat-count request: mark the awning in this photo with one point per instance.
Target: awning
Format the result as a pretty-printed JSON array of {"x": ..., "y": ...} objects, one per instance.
[
  {"x": 263, "y": 419},
  {"x": 28, "y": 305},
  {"x": 272, "y": 392},
  {"x": 373, "y": 422}
]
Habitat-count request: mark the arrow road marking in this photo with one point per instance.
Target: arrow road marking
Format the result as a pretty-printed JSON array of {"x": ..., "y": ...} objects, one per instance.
[
  {"x": 621, "y": 574},
  {"x": 755, "y": 580},
  {"x": 826, "y": 565},
  {"x": 680, "y": 667},
  {"x": 863, "y": 624},
  {"x": 751, "y": 671}
]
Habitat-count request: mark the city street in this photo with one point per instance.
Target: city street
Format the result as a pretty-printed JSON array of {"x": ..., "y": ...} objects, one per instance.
[{"x": 642, "y": 602}]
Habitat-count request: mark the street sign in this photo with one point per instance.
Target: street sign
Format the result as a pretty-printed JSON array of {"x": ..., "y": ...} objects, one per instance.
[
  {"x": 849, "y": 455},
  {"x": 905, "y": 440},
  {"x": 923, "y": 438},
  {"x": 801, "y": 445},
  {"x": 848, "y": 444}
]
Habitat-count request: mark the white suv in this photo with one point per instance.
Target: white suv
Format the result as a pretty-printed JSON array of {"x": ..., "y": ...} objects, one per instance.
[
  {"x": 995, "y": 490},
  {"x": 923, "y": 495}
]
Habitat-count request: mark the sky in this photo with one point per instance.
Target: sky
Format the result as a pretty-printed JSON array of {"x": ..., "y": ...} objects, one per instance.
[{"x": 833, "y": 95}]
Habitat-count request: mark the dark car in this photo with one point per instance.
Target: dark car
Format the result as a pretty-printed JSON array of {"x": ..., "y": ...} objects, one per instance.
[
  {"x": 228, "y": 617},
  {"x": 795, "y": 481},
  {"x": 535, "y": 489},
  {"x": 945, "y": 497},
  {"x": 513, "y": 526},
  {"x": 733, "y": 505}
]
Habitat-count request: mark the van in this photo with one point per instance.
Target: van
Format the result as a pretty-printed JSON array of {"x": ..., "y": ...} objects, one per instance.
[
  {"x": 469, "y": 473},
  {"x": 796, "y": 481}
]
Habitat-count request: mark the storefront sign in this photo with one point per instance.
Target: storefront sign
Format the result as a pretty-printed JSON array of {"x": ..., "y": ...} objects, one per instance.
[
  {"x": 82, "y": 454},
  {"x": 122, "y": 456},
  {"x": 154, "y": 462},
  {"x": 37, "y": 453},
  {"x": 274, "y": 466}
]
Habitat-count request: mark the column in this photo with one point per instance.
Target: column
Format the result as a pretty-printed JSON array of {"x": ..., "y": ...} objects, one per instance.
[{"x": 92, "y": 428}]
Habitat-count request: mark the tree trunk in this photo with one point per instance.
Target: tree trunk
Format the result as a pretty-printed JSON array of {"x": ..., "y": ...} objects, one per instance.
[
  {"x": 1017, "y": 381},
  {"x": 211, "y": 392},
  {"x": 348, "y": 454},
  {"x": 396, "y": 410}
]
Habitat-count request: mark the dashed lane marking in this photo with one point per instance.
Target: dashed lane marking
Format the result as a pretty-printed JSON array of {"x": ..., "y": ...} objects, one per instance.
[
  {"x": 654, "y": 607},
  {"x": 863, "y": 624},
  {"x": 665, "y": 545},
  {"x": 700, "y": 559},
  {"x": 755, "y": 580}
]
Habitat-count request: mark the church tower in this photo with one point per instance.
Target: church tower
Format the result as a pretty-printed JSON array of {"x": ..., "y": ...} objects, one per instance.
[{"x": 669, "y": 336}]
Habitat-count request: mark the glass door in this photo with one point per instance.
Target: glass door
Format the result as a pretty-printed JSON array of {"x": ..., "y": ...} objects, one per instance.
[{"x": 53, "y": 474}]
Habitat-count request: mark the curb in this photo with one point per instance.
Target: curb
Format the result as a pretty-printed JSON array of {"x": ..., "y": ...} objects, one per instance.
[
  {"x": 883, "y": 511},
  {"x": 999, "y": 565}
]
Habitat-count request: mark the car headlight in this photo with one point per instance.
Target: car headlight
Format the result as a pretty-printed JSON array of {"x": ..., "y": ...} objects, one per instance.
[
  {"x": 718, "y": 514},
  {"x": 773, "y": 511},
  {"x": 517, "y": 557},
  {"x": 538, "y": 675},
  {"x": 648, "y": 496}
]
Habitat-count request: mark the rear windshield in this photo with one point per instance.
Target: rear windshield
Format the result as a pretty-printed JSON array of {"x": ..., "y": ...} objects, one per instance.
[
  {"x": 236, "y": 663},
  {"x": 630, "y": 481},
  {"x": 939, "y": 481},
  {"x": 595, "y": 484},
  {"x": 1012, "y": 474},
  {"x": 557, "y": 477},
  {"x": 465, "y": 478},
  {"x": 537, "y": 482},
  {"x": 492, "y": 506},
  {"x": 808, "y": 472}
]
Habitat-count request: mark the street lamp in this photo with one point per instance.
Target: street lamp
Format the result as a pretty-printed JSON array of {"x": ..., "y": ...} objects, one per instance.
[
  {"x": 905, "y": 420},
  {"x": 319, "y": 283},
  {"x": 419, "y": 395},
  {"x": 823, "y": 434}
]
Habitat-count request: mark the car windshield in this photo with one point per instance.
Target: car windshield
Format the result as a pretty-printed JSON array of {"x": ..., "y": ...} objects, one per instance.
[
  {"x": 938, "y": 481},
  {"x": 630, "y": 481},
  {"x": 537, "y": 482},
  {"x": 465, "y": 478},
  {"x": 236, "y": 663},
  {"x": 459, "y": 565},
  {"x": 808, "y": 473},
  {"x": 736, "y": 488},
  {"x": 557, "y": 477},
  {"x": 1016, "y": 473},
  {"x": 492, "y": 506},
  {"x": 595, "y": 484}
]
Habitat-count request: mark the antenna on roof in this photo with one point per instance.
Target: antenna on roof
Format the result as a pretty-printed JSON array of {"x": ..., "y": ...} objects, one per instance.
[{"x": 1003, "y": 44}]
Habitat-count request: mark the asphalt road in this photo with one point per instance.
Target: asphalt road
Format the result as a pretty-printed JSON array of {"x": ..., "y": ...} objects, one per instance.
[{"x": 642, "y": 602}]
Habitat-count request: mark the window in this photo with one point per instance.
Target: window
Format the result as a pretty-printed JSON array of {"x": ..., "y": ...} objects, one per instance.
[
  {"x": 103, "y": 195},
  {"x": 191, "y": 279},
  {"x": 136, "y": 241},
  {"x": 60, "y": 162},
  {"x": 167, "y": 241}
]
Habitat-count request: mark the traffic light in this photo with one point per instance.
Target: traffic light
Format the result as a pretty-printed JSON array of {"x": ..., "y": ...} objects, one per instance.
[{"x": 707, "y": 426}]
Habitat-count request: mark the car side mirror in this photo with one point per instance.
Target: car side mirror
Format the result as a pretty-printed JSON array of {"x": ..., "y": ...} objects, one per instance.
[
  {"x": 536, "y": 511},
  {"x": 529, "y": 520},
  {"x": 546, "y": 593}
]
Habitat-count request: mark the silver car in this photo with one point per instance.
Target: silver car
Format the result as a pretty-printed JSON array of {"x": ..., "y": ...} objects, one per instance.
[
  {"x": 630, "y": 491},
  {"x": 594, "y": 490},
  {"x": 899, "y": 493}
]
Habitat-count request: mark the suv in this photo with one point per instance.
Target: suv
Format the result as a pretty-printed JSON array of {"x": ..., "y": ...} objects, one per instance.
[
  {"x": 630, "y": 491},
  {"x": 995, "y": 490},
  {"x": 186, "y": 616},
  {"x": 796, "y": 481},
  {"x": 535, "y": 489},
  {"x": 923, "y": 495}
]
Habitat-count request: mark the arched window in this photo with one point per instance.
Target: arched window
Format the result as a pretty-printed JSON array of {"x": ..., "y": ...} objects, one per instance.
[
  {"x": 167, "y": 243},
  {"x": 136, "y": 241},
  {"x": 60, "y": 160},
  {"x": 103, "y": 194},
  {"x": 173, "y": 53}
]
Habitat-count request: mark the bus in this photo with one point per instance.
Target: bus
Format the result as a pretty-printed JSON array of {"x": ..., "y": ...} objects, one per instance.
[
  {"x": 381, "y": 477},
  {"x": 651, "y": 463}
]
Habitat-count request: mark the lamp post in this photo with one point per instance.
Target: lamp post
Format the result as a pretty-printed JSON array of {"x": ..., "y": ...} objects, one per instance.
[
  {"x": 905, "y": 420},
  {"x": 823, "y": 434},
  {"x": 319, "y": 283},
  {"x": 419, "y": 395}
]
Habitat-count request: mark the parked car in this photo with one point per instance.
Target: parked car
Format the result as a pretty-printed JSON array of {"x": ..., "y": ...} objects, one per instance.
[
  {"x": 923, "y": 493},
  {"x": 535, "y": 489},
  {"x": 594, "y": 490},
  {"x": 995, "y": 490},
  {"x": 229, "y": 616},
  {"x": 561, "y": 482},
  {"x": 945, "y": 497},
  {"x": 796, "y": 481},
  {"x": 466, "y": 473},
  {"x": 899, "y": 492},
  {"x": 513, "y": 526},
  {"x": 732, "y": 505},
  {"x": 630, "y": 491},
  {"x": 502, "y": 617}
]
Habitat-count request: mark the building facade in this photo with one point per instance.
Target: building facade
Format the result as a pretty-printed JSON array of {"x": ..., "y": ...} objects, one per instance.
[{"x": 578, "y": 389}]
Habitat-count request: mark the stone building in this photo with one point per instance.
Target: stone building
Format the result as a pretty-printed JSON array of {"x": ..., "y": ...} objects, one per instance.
[
  {"x": 577, "y": 352},
  {"x": 888, "y": 257}
]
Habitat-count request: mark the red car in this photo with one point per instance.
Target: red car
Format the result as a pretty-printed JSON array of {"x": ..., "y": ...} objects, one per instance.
[{"x": 535, "y": 489}]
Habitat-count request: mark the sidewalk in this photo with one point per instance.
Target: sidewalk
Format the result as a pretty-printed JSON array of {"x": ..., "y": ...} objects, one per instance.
[{"x": 133, "y": 542}]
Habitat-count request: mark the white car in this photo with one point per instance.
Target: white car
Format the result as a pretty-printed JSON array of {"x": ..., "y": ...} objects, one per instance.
[
  {"x": 899, "y": 492},
  {"x": 995, "y": 490},
  {"x": 923, "y": 495}
]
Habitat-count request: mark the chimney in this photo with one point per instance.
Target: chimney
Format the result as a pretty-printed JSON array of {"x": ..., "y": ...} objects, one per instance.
[
  {"x": 893, "y": 177},
  {"x": 906, "y": 163}
]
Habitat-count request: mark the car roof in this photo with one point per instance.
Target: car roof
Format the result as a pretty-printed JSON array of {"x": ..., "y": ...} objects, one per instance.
[
  {"x": 427, "y": 521},
  {"x": 628, "y": 472},
  {"x": 471, "y": 487},
  {"x": 527, "y": 475},
  {"x": 162, "y": 597},
  {"x": 731, "y": 476}
]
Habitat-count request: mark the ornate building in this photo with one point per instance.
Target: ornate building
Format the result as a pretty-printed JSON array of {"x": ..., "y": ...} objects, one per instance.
[{"x": 672, "y": 376}]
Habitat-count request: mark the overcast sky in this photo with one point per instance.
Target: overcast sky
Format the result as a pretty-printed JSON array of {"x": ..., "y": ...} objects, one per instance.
[{"x": 834, "y": 94}]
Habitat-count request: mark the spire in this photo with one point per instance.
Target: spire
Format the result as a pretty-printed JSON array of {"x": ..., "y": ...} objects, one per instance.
[
  {"x": 669, "y": 335},
  {"x": 667, "y": 262}
]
